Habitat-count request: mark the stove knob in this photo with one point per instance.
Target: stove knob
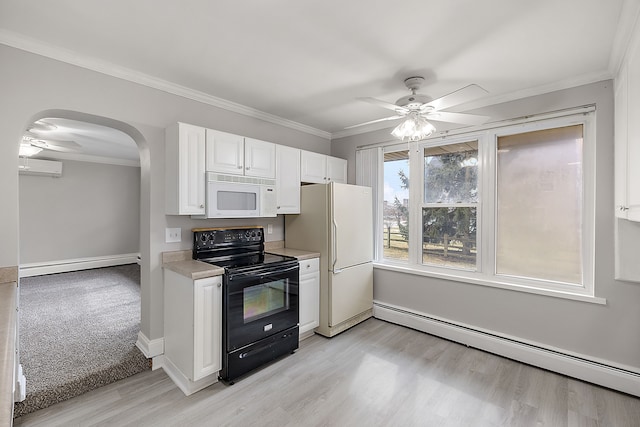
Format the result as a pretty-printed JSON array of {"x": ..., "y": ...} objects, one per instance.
[
  {"x": 203, "y": 238},
  {"x": 248, "y": 234}
]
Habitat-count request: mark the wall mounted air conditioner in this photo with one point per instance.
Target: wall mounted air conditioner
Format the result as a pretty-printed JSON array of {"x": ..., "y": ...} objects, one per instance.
[{"x": 27, "y": 166}]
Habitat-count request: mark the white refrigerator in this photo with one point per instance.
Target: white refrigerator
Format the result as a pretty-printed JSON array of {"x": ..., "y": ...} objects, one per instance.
[{"x": 336, "y": 221}]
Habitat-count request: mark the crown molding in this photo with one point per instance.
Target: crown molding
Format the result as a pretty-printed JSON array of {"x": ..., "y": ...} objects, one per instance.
[
  {"x": 628, "y": 22},
  {"x": 38, "y": 47},
  {"x": 493, "y": 100}
]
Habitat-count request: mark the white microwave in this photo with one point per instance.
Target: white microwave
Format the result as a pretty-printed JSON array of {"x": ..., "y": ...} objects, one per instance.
[{"x": 235, "y": 196}]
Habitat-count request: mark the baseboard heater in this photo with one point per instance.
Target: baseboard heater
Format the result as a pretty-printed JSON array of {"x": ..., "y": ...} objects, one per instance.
[
  {"x": 576, "y": 366},
  {"x": 67, "y": 265}
]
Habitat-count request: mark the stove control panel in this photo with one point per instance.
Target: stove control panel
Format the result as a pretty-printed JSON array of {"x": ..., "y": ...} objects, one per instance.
[{"x": 212, "y": 239}]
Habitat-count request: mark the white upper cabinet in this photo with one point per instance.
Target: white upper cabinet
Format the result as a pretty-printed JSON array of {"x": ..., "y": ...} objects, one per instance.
[
  {"x": 259, "y": 158},
  {"x": 321, "y": 169},
  {"x": 184, "y": 170},
  {"x": 313, "y": 166},
  {"x": 225, "y": 152},
  {"x": 287, "y": 180},
  {"x": 627, "y": 133},
  {"x": 234, "y": 154},
  {"x": 336, "y": 169}
]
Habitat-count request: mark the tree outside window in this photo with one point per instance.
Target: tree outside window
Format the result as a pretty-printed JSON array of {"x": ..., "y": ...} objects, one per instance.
[{"x": 449, "y": 213}]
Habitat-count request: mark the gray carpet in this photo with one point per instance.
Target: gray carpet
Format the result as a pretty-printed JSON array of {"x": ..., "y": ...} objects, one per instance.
[{"x": 78, "y": 332}]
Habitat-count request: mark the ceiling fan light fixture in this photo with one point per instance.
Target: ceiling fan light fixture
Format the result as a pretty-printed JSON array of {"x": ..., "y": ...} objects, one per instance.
[
  {"x": 28, "y": 150},
  {"x": 414, "y": 128}
]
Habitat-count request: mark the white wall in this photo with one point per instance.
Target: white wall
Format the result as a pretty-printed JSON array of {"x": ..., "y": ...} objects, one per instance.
[
  {"x": 92, "y": 210},
  {"x": 33, "y": 86},
  {"x": 603, "y": 332}
]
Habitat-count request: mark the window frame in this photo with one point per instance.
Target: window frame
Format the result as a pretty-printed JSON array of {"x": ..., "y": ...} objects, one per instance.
[{"x": 485, "y": 273}]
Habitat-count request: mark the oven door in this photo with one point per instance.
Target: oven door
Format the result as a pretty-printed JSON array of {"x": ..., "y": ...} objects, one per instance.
[{"x": 259, "y": 302}]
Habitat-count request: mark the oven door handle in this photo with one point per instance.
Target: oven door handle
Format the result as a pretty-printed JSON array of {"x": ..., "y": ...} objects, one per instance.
[{"x": 264, "y": 273}]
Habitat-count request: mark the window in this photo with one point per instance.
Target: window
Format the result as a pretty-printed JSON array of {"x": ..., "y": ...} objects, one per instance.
[
  {"x": 395, "y": 209},
  {"x": 510, "y": 206},
  {"x": 539, "y": 209},
  {"x": 449, "y": 211}
]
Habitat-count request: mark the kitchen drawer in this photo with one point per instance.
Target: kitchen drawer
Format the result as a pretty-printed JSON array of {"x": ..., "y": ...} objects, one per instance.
[{"x": 309, "y": 266}]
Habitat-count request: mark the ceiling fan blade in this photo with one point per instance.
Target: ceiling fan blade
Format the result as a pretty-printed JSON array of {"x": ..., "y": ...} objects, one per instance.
[
  {"x": 62, "y": 146},
  {"x": 460, "y": 96},
  {"x": 375, "y": 121},
  {"x": 467, "y": 119},
  {"x": 384, "y": 104}
]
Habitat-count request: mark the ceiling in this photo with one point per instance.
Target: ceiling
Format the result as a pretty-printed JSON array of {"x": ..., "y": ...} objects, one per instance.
[
  {"x": 306, "y": 62},
  {"x": 84, "y": 141}
]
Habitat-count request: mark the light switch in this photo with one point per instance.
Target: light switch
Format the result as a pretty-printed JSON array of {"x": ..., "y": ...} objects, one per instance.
[{"x": 173, "y": 235}]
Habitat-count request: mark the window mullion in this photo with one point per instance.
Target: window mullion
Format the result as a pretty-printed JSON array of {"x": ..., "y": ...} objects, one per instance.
[
  {"x": 416, "y": 178},
  {"x": 488, "y": 173}
]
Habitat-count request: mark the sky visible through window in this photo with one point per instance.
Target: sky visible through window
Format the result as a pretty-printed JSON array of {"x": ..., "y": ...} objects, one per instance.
[{"x": 392, "y": 183}]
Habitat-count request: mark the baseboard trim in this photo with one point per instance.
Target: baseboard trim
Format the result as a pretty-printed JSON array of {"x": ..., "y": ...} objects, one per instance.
[
  {"x": 624, "y": 379},
  {"x": 187, "y": 386},
  {"x": 67, "y": 265},
  {"x": 150, "y": 348}
]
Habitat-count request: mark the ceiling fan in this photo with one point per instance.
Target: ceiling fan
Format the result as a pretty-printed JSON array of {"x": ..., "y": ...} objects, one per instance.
[
  {"x": 41, "y": 136},
  {"x": 417, "y": 109}
]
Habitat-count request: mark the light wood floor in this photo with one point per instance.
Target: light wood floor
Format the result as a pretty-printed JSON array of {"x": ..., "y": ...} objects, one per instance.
[{"x": 376, "y": 374}]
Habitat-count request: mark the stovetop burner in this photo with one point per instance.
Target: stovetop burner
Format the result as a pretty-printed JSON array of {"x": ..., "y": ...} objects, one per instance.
[{"x": 234, "y": 248}]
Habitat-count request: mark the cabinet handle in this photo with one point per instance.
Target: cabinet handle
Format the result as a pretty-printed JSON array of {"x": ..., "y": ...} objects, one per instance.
[
  {"x": 201, "y": 206},
  {"x": 239, "y": 167},
  {"x": 623, "y": 208},
  {"x": 219, "y": 285},
  {"x": 248, "y": 168}
]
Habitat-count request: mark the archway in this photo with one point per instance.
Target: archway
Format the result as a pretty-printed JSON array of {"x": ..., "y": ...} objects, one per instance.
[{"x": 143, "y": 224}]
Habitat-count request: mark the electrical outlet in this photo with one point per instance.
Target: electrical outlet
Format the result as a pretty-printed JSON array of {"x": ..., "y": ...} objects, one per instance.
[
  {"x": 173, "y": 235},
  {"x": 269, "y": 228}
]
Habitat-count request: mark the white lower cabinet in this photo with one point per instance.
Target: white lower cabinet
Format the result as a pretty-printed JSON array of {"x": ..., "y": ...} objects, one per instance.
[
  {"x": 309, "y": 296},
  {"x": 192, "y": 330}
]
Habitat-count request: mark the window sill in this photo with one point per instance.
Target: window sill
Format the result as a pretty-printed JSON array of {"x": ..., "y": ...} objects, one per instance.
[{"x": 491, "y": 283}]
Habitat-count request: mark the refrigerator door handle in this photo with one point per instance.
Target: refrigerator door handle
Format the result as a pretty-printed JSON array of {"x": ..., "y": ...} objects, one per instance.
[{"x": 335, "y": 244}]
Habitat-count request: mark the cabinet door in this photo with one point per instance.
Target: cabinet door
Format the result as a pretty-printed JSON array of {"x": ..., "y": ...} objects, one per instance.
[
  {"x": 225, "y": 152},
  {"x": 620, "y": 150},
  {"x": 633, "y": 131},
  {"x": 336, "y": 170},
  {"x": 185, "y": 180},
  {"x": 309, "y": 294},
  {"x": 259, "y": 158},
  {"x": 287, "y": 180},
  {"x": 313, "y": 167},
  {"x": 207, "y": 326}
]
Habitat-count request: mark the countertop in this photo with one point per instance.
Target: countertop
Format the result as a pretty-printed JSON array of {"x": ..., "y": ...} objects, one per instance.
[
  {"x": 296, "y": 253},
  {"x": 182, "y": 263},
  {"x": 194, "y": 269}
]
